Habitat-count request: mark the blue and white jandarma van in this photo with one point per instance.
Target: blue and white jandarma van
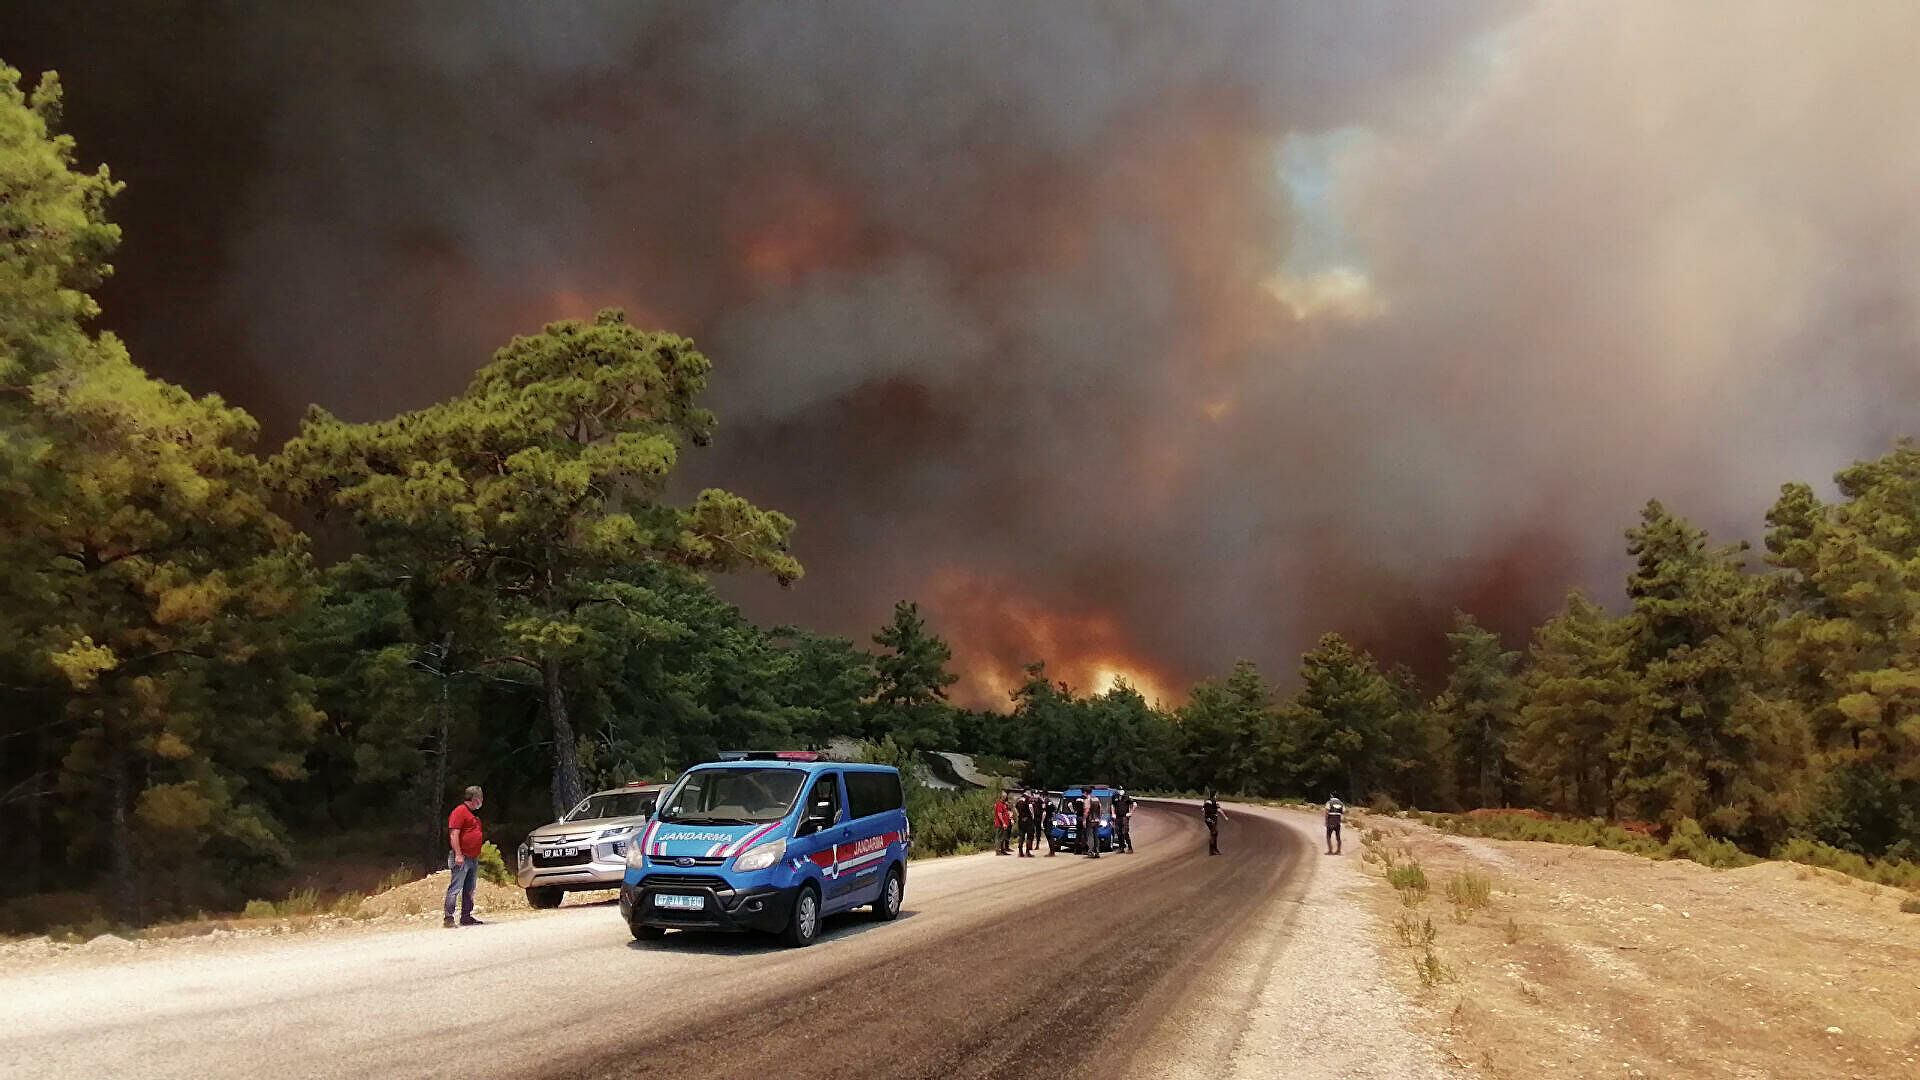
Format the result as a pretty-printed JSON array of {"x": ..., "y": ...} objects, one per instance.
[
  {"x": 1072, "y": 834},
  {"x": 769, "y": 841}
]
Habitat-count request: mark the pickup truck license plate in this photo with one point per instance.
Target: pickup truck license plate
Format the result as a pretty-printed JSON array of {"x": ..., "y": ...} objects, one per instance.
[
  {"x": 680, "y": 903},
  {"x": 565, "y": 852}
]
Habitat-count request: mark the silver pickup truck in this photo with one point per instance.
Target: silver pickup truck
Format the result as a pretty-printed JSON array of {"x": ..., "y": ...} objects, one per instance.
[{"x": 586, "y": 849}]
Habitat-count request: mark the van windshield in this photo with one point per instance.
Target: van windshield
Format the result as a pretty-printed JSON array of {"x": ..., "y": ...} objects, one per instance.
[
  {"x": 613, "y": 804},
  {"x": 747, "y": 796}
]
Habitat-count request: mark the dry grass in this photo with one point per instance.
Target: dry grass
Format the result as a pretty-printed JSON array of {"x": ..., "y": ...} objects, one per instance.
[{"x": 1575, "y": 962}]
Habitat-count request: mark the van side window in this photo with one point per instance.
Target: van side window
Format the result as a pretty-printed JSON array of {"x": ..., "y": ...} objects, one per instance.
[
  {"x": 826, "y": 790},
  {"x": 871, "y": 793}
]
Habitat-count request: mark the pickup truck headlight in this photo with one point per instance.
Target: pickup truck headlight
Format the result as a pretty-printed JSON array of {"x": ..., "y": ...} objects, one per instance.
[{"x": 759, "y": 858}]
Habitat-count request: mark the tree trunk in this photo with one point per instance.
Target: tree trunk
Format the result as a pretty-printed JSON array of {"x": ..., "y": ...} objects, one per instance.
[
  {"x": 125, "y": 889},
  {"x": 436, "y": 840},
  {"x": 566, "y": 761}
]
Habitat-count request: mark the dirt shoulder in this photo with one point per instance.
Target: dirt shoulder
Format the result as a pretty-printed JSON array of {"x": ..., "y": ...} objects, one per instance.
[
  {"x": 1585, "y": 963},
  {"x": 1305, "y": 991}
]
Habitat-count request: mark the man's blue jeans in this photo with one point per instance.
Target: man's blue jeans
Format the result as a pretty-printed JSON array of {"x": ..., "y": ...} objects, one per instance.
[{"x": 466, "y": 873}]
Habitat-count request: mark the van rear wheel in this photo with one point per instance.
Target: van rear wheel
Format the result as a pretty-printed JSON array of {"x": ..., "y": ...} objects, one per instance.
[
  {"x": 804, "y": 924},
  {"x": 887, "y": 908}
]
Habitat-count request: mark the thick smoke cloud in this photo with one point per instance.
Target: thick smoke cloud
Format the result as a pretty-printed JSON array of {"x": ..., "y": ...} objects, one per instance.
[{"x": 1138, "y": 337}]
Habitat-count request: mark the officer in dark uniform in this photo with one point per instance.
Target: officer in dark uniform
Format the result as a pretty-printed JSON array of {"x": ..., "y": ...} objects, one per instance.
[
  {"x": 1046, "y": 823},
  {"x": 1023, "y": 810},
  {"x": 1123, "y": 822},
  {"x": 1210, "y": 810},
  {"x": 1335, "y": 811}
]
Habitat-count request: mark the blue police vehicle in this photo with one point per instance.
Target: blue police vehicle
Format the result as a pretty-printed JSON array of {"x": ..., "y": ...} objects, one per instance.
[
  {"x": 771, "y": 841},
  {"x": 1070, "y": 833}
]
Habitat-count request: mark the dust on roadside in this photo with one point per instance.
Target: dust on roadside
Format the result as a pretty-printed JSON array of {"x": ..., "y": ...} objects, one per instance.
[
  {"x": 1590, "y": 963},
  {"x": 414, "y": 904}
]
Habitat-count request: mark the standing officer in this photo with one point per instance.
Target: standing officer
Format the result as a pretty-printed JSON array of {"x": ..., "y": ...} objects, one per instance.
[
  {"x": 1046, "y": 822},
  {"x": 1123, "y": 822},
  {"x": 1090, "y": 823},
  {"x": 1210, "y": 810},
  {"x": 1335, "y": 811},
  {"x": 1023, "y": 811}
]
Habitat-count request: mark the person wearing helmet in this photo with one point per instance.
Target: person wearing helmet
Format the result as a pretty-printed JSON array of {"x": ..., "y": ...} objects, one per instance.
[
  {"x": 1211, "y": 812},
  {"x": 1122, "y": 823},
  {"x": 1335, "y": 811}
]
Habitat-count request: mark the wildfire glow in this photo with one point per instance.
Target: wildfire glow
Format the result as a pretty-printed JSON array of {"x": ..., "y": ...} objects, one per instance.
[{"x": 997, "y": 628}]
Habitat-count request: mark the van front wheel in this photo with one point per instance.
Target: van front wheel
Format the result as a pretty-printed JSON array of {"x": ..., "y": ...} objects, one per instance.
[
  {"x": 887, "y": 908},
  {"x": 804, "y": 924}
]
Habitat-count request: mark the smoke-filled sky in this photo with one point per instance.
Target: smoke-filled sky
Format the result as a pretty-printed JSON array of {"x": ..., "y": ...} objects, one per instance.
[{"x": 1135, "y": 336}]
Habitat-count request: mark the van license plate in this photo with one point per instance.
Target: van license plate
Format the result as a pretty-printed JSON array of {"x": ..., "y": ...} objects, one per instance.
[{"x": 680, "y": 903}]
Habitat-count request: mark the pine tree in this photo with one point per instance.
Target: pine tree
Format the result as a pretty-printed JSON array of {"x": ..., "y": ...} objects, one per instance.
[
  {"x": 1339, "y": 725},
  {"x": 1700, "y": 739},
  {"x": 542, "y": 483},
  {"x": 1847, "y": 654},
  {"x": 1478, "y": 709},
  {"x": 145, "y": 584},
  {"x": 1229, "y": 734},
  {"x": 1575, "y": 691},
  {"x": 910, "y": 699}
]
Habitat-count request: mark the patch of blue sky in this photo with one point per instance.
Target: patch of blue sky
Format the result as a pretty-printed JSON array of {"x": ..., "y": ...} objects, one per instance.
[{"x": 1308, "y": 163}]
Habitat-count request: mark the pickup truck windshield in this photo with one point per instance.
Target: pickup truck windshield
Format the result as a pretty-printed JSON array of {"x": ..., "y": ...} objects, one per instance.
[
  {"x": 750, "y": 796},
  {"x": 613, "y": 805}
]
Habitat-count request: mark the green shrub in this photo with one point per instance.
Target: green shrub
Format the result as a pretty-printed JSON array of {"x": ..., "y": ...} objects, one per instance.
[
  {"x": 304, "y": 902},
  {"x": 1410, "y": 879},
  {"x": 1430, "y": 970},
  {"x": 492, "y": 867},
  {"x": 1469, "y": 891},
  {"x": 261, "y": 909},
  {"x": 1898, "y": 873},
  {"x": 1690, "y": 841},
  {"x": 1911, "y": 905}
]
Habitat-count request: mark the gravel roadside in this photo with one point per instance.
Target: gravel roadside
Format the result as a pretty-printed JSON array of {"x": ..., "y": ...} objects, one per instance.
[{"x": 1305, "y": 993}]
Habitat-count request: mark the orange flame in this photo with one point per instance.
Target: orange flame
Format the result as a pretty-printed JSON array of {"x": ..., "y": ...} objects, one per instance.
[{"x": 997, "y": 629}]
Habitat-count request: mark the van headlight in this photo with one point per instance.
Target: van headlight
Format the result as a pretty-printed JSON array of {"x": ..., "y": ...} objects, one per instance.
[
  {"x": 759, "y": 858},
  {"x": 636, "y": 855}
]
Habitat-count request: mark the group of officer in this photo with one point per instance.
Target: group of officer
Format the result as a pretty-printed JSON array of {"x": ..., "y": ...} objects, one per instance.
[
  {"x": 1031, "y": 813},
  {"x": 1211, "y": 813}
]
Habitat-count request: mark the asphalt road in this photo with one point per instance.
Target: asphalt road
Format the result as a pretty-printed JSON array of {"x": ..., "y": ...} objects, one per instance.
[{"x": 999, "y": 967}]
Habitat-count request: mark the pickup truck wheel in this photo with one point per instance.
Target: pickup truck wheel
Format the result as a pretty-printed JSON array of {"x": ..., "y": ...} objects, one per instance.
[
  {"x": 804, "y": 924},
  {"x": 545, "y": 896},
  {"x": 892, "y": 894}
]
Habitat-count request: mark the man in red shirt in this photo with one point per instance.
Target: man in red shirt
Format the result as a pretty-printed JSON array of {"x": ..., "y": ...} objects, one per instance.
[
  {"x": 464, "y": 837},
  {"x": 1003, "y": 823}
]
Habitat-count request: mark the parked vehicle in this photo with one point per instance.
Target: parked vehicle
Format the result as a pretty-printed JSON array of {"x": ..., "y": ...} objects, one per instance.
[
  {"x": 1069, "y": 833},
  {"x": 772, "y": 842},
  {"x": 587, "y": 848}
]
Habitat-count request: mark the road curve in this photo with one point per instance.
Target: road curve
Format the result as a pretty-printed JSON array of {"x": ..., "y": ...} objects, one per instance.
[{"x": 999, "y": 967}]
